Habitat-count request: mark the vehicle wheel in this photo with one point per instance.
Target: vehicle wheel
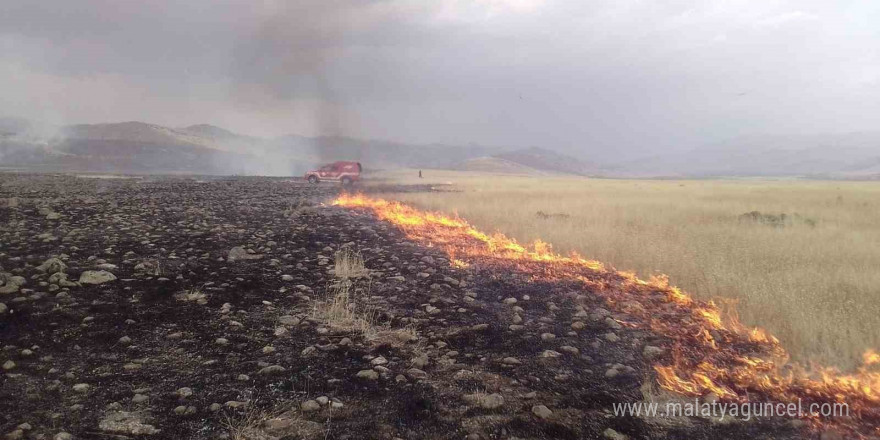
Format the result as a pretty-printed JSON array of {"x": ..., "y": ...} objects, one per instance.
[
  {"x": 346, "y": 181},
  {"x": 313, "y": 179}
]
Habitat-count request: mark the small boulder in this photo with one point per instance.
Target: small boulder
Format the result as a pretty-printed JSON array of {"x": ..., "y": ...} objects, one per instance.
[
  {"x": 310, "y": 406},
  {"x": 96, "y": 277},
  {"x": 52, "y": 265},
  {"x": 542, "y": 412},
  {"x": 485, "y": 401}
]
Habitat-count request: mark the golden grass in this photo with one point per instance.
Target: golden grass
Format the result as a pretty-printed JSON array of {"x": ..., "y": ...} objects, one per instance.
[
  {"x": 813, "y": 280},
  {"x": 343, "y": 313},
  {"x": 349, "y": 264}
]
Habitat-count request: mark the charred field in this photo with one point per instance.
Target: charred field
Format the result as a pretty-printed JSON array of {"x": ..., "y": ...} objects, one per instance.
[{"x": 174, "y": 308}]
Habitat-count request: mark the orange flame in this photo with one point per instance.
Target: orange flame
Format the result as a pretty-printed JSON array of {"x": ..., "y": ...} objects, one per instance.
[{"x": 711, "y": 354}]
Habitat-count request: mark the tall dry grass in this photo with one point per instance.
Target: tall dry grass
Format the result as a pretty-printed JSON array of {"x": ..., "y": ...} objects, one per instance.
[{"x": 813, "y": 279}]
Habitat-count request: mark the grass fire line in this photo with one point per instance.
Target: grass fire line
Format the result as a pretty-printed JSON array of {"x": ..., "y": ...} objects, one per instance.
[{"x": 713, "y": 354}]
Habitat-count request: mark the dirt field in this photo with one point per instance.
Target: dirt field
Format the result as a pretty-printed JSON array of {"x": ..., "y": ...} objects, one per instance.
[{"x": 810, "y": 276}]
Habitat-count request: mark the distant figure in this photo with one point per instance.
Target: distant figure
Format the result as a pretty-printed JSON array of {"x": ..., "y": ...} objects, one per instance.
[{"x": 420, "y": 174}]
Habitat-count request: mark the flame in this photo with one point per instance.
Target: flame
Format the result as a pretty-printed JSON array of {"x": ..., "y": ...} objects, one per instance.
[{"x": 710, "y": 354}]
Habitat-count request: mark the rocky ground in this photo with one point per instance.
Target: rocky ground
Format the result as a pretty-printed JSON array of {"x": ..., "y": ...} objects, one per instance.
[{"x": 175, "y": 308}]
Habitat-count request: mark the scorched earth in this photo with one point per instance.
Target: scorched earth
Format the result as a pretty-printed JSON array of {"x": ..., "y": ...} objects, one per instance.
[{"x": 177, "y": 308}]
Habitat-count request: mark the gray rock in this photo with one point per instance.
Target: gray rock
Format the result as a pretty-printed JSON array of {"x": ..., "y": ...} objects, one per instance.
[
  {"x": 140, "y": 398},
  {"x": 416, "y": 374},
  {"x": 122, "y": 422},
  {"x": 368, "y": 375},
  {"x": 96, "y": 277},
  {"x": 52, "y": 265},
  {"x": 310, "y": 406},
  {"x": 485, "y": 401},
  {"x": 81, "y": 388},
  {"x": 240, "y": 253},
  {"x": 611, "y": 434},
  {"x": 63, "y": 436},
  {"x": 542, "y": 412},
  {"x": 570, "y": 350},
  {"x": 611, "y": 337},
  {"x": 3, "y": 308},
  {"x": 184, "y": 392},
  {"x": 272, "y": 369},
  {"x": 651, "y": 352},
  {"x": 511, "y": 361}
]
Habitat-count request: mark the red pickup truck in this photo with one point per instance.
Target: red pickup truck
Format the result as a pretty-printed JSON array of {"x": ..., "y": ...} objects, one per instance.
[{"x": 345, "y": 172}]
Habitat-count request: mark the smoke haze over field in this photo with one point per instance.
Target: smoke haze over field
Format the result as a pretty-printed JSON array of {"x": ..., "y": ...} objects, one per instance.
[{"x": 608, "y": 80}]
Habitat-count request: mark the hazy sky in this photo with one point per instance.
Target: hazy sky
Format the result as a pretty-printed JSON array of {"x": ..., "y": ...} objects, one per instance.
[{"x": 633, "y": 76}]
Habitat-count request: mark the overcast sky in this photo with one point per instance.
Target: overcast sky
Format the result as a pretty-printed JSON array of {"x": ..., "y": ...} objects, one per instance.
[{"x": 579, "y": 76}]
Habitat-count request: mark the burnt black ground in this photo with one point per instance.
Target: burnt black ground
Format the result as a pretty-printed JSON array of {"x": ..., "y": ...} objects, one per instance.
[{"x": 180, "y": 231}]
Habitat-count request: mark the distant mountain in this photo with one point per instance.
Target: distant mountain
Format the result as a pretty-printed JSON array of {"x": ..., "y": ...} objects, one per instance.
[
  {"x": 138, "y": 147},
  {"x": 849, "y": 155},
  {"x": 497, "y": 165},
  {"x": 549, "y": 161}
]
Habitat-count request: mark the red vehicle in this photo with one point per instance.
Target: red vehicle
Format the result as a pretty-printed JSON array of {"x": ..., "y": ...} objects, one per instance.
[{"x": 345, "y": 172}]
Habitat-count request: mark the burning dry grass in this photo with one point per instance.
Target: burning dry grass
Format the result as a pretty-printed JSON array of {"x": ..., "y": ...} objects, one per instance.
[
  {"x": 712, "y": 355},
  {"x": 813, "y": 281}
]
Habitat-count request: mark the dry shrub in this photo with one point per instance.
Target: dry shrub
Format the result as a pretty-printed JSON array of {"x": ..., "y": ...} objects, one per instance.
[
  {"x": 192, "y": 295},
  {"x": 342, "y": 312},
  {"x": 349, "y": 264}
]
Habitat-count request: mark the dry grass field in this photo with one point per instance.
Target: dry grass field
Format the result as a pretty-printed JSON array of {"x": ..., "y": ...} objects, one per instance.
[{"x": 812, "y": 276}]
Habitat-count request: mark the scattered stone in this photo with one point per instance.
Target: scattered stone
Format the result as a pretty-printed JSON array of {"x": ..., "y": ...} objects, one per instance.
[
  {"x": 485, "y": 401},
  {"x": 140, "y": 398},
  {"x": 611, "y": 434},
  {"x": 416, "y": 374},
  {"x": 651, "y": 352},
  {"x": 96, "y": 277},
  {"x": 52, "y": 265},
  {"x": 368, "y": 375},
  {"x": 511, "y": 361},
  {"x": 272, "y": 369},
  {"x": 547, "y": 336},
  {"x": 122, "y": 422},
  {"x": 240, "y": 253},
  {"x": 3, "y": 308},
  {"x": 310, "y": 406},
  {"x": 542, "y": 412},
  {"x": 8, "y": 365},
  {"x": 63, "y": 436},
  {"x": 184, "y": 392},
  {"x": 578, "y": 325},
  {"x": 81, "y": 388},
  {"x": 570, "y": 350}
]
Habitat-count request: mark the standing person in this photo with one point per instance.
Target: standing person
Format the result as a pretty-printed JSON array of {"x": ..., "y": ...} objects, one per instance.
[{"x": 420, "y": 174}]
